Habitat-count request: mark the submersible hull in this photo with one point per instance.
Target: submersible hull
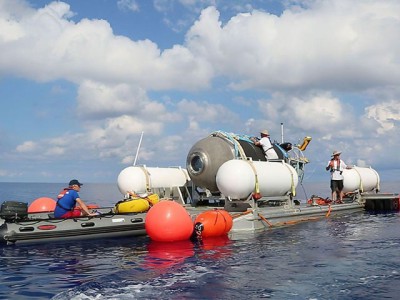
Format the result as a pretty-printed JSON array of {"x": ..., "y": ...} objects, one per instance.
[{"x": 209, "y": 154}]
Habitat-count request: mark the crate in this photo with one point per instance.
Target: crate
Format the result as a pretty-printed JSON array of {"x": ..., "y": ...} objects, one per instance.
[{"x": 13, "y": 210}]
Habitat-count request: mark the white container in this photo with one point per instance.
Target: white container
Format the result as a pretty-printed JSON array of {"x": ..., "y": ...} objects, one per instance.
[
  {"x": 359, "y": 178},
  {"x": 236, "y": 179},
  {"x": 140, "y": 179}
]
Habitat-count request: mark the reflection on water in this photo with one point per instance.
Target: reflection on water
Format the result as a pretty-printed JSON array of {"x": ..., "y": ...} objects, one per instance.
[{"x": 162, "y": 255}]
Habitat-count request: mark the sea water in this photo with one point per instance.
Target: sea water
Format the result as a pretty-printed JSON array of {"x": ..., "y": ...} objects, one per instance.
[{"x": 354, "y": 256}]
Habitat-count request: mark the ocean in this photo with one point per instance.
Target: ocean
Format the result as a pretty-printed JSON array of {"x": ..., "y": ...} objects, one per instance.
[{"x": 354, "y": 256}]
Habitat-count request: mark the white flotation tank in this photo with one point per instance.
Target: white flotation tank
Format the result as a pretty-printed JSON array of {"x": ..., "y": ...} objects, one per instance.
[
  {"x": 237, "y": 178},
  {"x": 360, "y": 178},
  {"x": 140, "y": 179}
]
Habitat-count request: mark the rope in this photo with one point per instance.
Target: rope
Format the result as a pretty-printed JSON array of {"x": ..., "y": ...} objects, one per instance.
[
  {"x": 146, "y": 173},
  {"x": 265, "y": 220},
  {"x": 301, "y": 220},
  {"x": 361, "y": 184},
  {"x": 234, "y": 138},
  {"x": 292, "y": 180},
  {"x": 257, "y": 186},
  {"x": 241, "y": 214},
  {"x": 377, "y": 176},
  {"x": 329, "y": 211}
]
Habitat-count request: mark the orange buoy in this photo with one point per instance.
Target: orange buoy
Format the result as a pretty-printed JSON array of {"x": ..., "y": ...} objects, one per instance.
[
  {"x": 168, "y": 221},
  {"x": 43, "y": 204},
  {"x": 215, "y": 222}
]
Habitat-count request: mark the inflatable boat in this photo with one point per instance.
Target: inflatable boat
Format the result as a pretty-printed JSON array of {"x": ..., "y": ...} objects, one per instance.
[{"x": 21, "y": 227}]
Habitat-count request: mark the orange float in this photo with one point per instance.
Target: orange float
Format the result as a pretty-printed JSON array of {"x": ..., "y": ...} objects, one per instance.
[
  {"x": 42, "y": 204},
  {"x": 215, "y": 222},
  {"x": 168, "y": 221}
]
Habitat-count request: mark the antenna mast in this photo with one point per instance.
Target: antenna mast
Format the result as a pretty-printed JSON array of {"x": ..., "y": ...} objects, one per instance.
[{"x": 137, "y": 151}]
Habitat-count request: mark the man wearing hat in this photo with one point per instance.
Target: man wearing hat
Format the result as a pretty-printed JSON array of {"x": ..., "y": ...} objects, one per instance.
[
  {"x": 67, "y": 199},
  {"x": 266, "y": 144},
  {"x": 336, "y": 167}
]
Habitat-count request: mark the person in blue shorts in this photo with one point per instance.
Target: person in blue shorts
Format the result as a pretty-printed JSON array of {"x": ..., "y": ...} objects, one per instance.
[{"x": 67, "y": 200}]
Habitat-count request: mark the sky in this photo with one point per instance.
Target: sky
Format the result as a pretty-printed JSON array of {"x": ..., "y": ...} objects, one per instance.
[{"x": 81, "y": 80}]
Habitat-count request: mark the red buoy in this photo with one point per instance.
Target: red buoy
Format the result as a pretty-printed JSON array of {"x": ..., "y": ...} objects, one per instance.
[
  {"x": 43, "y": 204},
  {"x": 168, "y": 221},
  {"x": 215, "y": 222}
]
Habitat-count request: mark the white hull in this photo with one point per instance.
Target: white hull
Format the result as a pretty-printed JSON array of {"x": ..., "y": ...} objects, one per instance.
[
  {"x": 359, "y": 178},
  {"x": 140, "y": 179},
  {"x": 237, "y": 179}
]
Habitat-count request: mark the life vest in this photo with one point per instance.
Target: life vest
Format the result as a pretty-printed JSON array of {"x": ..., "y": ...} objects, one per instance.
[
  {"x": 60, "y": 195},
  {"x": 318, "y": 200},
  {"x": 63, "y": 192},
  {"x": 337, "y": 166}
]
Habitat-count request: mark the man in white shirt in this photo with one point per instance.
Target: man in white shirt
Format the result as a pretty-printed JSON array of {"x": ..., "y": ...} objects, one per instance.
[
  {"x": 266, "y": 144},
  {"x": 336, "y": 167}
]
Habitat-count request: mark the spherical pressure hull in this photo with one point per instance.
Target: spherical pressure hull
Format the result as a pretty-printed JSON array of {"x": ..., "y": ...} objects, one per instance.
[
  {"x": 208, "y": 154},
  {"x": 359, "y": 178},
  {"x": 237, "y": 178},
  {"x": 141, "y": 179}
]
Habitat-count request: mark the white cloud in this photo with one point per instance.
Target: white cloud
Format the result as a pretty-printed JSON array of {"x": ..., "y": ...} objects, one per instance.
[
  {"x": 387, "y": 114},
  {"x": 331, "y": 44},
  {"x": 27, "y": 146},
  {"x": 316, "y": 112},
  {"x": 49, "y": 46},
  {"x": 55, "y": 151},
  {"x": 98, "y": 101},
  {"x": 206, "y": 112},
  {"x": 130, "y": 5}
]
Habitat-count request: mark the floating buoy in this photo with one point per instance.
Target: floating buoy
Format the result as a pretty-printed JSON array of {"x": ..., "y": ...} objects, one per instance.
[
  {"x": 215, "y": 222},
  {"x": 168, "y": 221},
  {"x": 43, "y": 204}
]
